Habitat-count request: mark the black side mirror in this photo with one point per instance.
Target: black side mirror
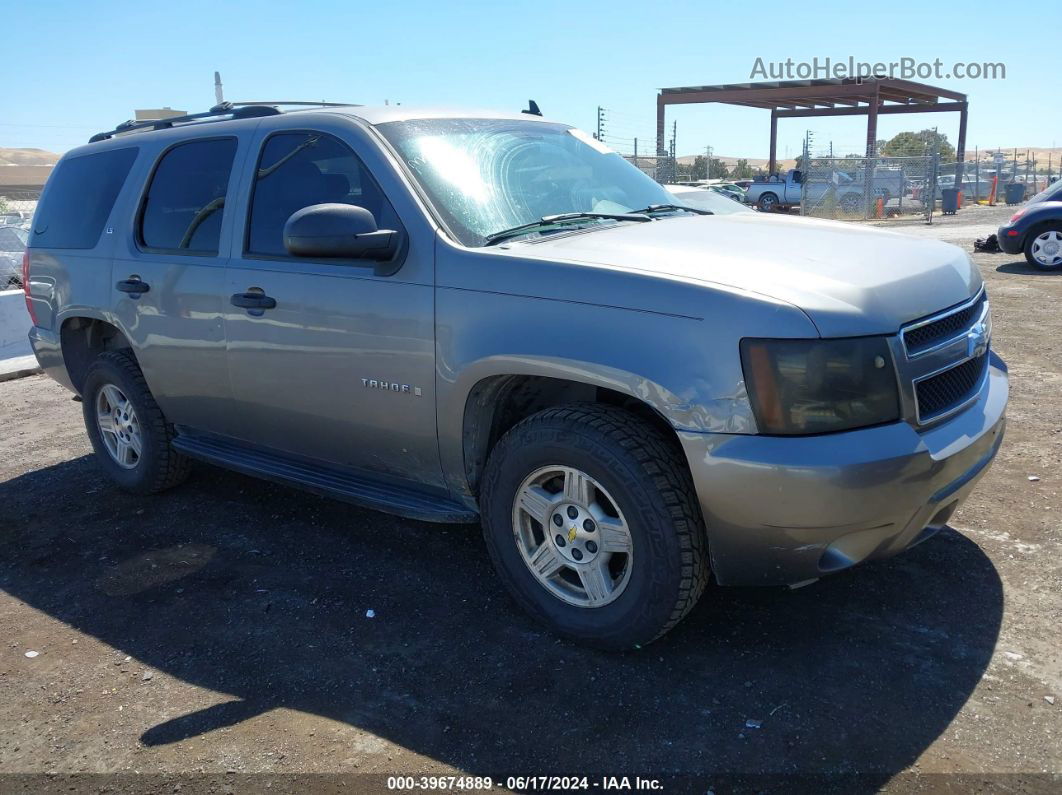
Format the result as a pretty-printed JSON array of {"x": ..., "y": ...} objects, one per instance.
[{"x": 338, "y": 231}]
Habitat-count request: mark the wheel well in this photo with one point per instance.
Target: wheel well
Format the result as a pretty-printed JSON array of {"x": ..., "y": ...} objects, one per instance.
[
  {"x": 498, "y": 403},
  {"x": 83, "y": 339},
  {"x": 1041, "y": 227}
]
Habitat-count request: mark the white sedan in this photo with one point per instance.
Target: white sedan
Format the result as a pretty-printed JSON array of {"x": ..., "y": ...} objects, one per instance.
[{"x": 704, "y": 199}]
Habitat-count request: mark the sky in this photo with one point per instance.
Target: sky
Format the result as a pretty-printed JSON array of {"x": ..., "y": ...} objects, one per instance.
[{"x": 84, "y": 67}]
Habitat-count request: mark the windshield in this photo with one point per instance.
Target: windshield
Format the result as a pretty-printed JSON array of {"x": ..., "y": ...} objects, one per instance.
[
  {"x": 487, "y": 175},
  {"x": 1052, "y": 193}
]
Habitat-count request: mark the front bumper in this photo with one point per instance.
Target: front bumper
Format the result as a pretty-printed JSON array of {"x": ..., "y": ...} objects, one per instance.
[
  {"x": 1010, "y": 244},
  {"x": 783, "y": 510}
]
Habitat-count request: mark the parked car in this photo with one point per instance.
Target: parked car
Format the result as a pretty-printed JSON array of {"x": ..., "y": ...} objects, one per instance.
[
  {"x": 456, "y": 316},
  {"x": 784, "y": 192},
  {"x": 704, "y": 199},
  {"x": 733, "y": 195},
  {"x": 12, "y": 246},
  {"x": 1036, "y": 230}
]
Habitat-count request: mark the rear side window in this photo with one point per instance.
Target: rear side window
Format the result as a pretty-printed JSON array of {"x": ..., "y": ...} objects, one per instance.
[
  {"x": 185, "y": 201},
  {"x": 80, "y": 196}
]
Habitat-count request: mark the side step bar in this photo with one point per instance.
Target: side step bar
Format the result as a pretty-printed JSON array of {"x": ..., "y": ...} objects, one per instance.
[{"x": 323, "y": 480}]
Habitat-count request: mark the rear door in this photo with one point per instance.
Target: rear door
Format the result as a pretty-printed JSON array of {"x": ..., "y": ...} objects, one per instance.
[
  {"x": 169, "y": 278},
  {"x": 342, "y": 368}
]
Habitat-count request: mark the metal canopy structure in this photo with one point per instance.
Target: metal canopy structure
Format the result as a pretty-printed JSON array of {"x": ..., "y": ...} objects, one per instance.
[{"x": 788, "y": 99}]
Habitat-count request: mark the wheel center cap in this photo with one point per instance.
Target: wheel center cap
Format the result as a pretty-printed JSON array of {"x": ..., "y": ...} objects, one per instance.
[
  {"x": 574, "y": 533},
  {"x": 1051, "y": 249}
]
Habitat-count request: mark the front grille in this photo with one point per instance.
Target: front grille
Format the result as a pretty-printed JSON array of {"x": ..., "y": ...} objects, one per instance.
[
  {"x": 920, "y": 338},
  {"x": 948, "y": 389}
]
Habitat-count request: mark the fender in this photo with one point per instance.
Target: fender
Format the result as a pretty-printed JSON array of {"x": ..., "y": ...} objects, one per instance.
[{"x": 673, "y": 346}]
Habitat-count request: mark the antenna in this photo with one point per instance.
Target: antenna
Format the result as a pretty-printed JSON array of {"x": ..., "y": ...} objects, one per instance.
[{"x": 219, "y": 95}]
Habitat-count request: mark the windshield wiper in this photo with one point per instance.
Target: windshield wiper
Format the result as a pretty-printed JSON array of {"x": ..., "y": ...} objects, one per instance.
[
  {"x": 655, "y": 208},
  {"x": 562, "y": 218}
]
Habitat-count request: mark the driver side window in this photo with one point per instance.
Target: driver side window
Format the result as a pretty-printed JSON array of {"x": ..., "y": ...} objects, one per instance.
[
  {"x": 185, "y": 201},
  {"x": 300, "y": 169}
]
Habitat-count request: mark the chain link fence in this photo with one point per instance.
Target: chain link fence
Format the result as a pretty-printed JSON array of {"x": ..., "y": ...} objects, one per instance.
[
  {"x": 867, "y": 188},
  {"x": 662, "y": 168}
]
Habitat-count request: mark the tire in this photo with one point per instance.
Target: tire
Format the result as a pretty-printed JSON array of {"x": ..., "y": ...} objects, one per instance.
[
  {"x": 1043, "y": 247},
  {"x": 157, "y": 466},
  {"x": 850, "y": 203},
  {"x": 643, "y": 473},
  {"x": 768, "y": 202}
]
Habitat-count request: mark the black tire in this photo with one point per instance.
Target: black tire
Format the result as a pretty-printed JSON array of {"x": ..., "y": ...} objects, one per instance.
[
  {"x": 851, "y": 203},
  {"x": 159, "y": 466},
  {"x": 768, "y": 202},
  {"x": 646, "y": 474},
  {"x": 1030, "y": 238}
]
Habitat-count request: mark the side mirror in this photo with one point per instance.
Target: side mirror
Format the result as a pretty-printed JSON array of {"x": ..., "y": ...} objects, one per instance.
[{"x": 338, "y": 231}]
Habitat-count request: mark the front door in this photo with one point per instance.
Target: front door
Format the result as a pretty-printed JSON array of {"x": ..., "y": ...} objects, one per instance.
[{"x": 338, "y": 364}]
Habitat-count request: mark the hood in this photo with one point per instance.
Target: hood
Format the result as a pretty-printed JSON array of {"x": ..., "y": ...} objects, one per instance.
[{"x": 850, "y": 280}]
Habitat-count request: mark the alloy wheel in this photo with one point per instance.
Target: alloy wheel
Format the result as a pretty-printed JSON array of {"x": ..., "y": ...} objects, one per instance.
[
  {"x": 572, "y": 536},
  {"x": 119, "y": 427}
]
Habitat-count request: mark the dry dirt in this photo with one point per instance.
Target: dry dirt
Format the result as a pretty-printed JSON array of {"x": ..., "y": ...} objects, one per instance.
[{"x": 216, "y": 637}]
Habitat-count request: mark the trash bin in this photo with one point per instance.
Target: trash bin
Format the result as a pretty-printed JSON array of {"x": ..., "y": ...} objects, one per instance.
[
  {"x": 949, "y": 201},
  {"x": 1015, "y": 192}
]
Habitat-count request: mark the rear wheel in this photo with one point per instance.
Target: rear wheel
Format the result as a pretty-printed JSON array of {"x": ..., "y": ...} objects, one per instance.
[
  {"x": 768, "y": 202},
  {"x": 128, "y": 431},
  {"x": 1043, "y": 249},
  {"x": 591, "y": 521}
]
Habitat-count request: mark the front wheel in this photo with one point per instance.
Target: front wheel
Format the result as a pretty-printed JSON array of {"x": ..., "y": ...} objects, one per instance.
[
  {"x": 1043, "y": 250},
  {"x": 590, "y": 517}
]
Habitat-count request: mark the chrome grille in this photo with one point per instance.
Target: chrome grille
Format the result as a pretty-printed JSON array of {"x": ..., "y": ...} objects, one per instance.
[
  {"x": 923, "y": 335},
  {"x": 939, "y": 393},
  {"x": 943, "y": 360}
]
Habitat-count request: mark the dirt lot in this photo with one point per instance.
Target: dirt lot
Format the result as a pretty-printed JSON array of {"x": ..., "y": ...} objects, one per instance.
[{"x": 221, "y": 629}]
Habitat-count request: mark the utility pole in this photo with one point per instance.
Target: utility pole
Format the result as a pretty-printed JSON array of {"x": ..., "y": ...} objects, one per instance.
[
  {"x": 600, "y": 123},
  {"x": 708, "y": 162}
]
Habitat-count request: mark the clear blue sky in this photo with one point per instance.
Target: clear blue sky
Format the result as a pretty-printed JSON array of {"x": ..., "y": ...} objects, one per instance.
[{"x": 77, "y": 68}]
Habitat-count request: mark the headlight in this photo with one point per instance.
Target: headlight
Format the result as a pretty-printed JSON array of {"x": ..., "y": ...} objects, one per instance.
[{"x": 818, "y": 386}]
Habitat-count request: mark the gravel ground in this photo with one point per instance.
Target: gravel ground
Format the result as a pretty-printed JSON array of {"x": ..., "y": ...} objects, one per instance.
[{"x": 222, "y": 629}]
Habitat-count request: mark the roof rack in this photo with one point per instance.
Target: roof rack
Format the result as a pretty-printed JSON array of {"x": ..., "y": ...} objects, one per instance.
[{"x": 234, "y": 110}]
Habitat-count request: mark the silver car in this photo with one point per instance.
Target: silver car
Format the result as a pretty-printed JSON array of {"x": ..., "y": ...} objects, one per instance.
[{"x": 459, "y": 316}]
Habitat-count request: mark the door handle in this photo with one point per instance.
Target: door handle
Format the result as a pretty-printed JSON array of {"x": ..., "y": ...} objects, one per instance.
[
  {"x": 132, "y": 286},
  {"x": 253, "y": 301}
]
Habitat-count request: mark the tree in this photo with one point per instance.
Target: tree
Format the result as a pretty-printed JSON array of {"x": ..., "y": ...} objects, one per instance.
[
  {"x": 719, "y": 169},
  {"x": 742, "y": 170},
  {"x": 908, "y": 144}
]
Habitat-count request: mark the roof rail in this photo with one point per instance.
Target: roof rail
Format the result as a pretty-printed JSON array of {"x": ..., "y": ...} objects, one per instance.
[{"x": 234, "y": 110}]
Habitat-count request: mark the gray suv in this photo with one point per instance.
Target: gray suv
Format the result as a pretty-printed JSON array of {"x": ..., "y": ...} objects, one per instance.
[{"x": 492, "y": 317}]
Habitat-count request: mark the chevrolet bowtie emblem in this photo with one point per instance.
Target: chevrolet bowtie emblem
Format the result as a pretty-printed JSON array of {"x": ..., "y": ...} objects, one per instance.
[{"x": 571, "y": 534}]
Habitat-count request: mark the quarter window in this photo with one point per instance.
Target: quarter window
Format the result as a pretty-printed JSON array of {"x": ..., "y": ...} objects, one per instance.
[
  {"x": 185, "y": 202},
  {"x": 300, "y": 169},
  {"x": 79, "y": 198}
]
